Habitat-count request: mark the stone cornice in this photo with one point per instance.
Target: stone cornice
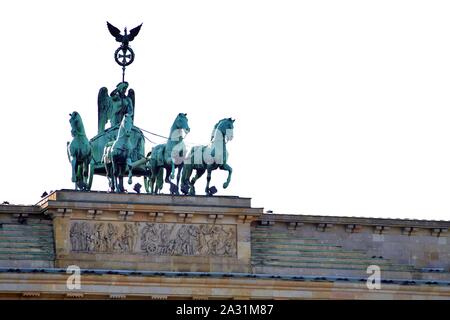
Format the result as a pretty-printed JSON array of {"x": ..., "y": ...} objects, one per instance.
[
  {"x": 358, "y": 221},
  {"x": 40, "y": 285},
  {"x": 145, "y": 199},
  {"x": 147, "y": 208},
  {"x": 18, "y": 209},
  {"x": 144, "y": 207}
]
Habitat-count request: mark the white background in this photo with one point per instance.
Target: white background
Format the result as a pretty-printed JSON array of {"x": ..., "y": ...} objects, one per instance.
[{"x": 341, "y": 107}]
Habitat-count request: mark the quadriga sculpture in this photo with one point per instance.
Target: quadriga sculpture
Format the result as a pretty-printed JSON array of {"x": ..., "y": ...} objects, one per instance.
[
  {"x": 117, "y": 156},
  {"x": 208, "y": 158},
  {"x": 79, "y": 152},
  {"x": 169, "y": 156}
]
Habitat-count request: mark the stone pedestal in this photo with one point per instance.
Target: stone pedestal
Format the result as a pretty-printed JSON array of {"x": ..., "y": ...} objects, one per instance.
[{"x": 99, "y": 230}]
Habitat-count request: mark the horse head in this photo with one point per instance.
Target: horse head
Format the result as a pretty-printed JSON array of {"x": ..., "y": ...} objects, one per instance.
[
  {"x": 225, "y": 127},
  {"x": 126, "y": 125},
  {"x": 76, "y": 123},
  {"x": 181, "y": 123},
  {"x": 180, "y": 126}
]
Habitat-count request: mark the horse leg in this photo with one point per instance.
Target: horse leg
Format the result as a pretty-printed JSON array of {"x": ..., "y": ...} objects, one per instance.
[
  {"x": 153, "y": 173},
  {"x": 197, "y": 176},
  {"x": 152, "y": 185},
  {"x": 172, "y": 185},
  {"x": 230, "y": 171},
  {"x": 121, "y": 174},
  {"x": 76, "y": 185},
  {"x": 81, "y": 183},
  {"x": 74, "y": 167},
  {"x": 91, "y": 174},
  {"x": 109, "y": 176},
  {"x": 186, "y": 175},
  {"x": 146, "y": 184},
  {"x": 79, "y": 176},
  {"x": 121, "y": 187},
  {"x": 168, "y": 173},
  {"x": 85, "y": 169},
  {"x": 159, "y": 180},
  {"x": 130, "y": 171},
  {"x": 115, "y": 176},
  {"x": 120, "y": 177},
  {"x": 86, "y": 174},
  {"x": 179, "y": 175},
  {"x": 178, "y": 178},
  {"x": 172, "y": 171},
  {"x": 208, "y": 180}
]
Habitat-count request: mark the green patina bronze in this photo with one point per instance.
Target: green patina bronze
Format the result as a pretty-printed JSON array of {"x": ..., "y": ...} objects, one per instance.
[
  {"x": 124, "y": 55},
  {"x": 112, "y": 108},
  {"x": 169, "y": 156},
  {"x": 119, "y": 149},
  {"x": 88, "y": 156},
  {"x": 79, "y": 152},
  {"x": 117, "y": 156},
  {"x": 208, "y": 158}
]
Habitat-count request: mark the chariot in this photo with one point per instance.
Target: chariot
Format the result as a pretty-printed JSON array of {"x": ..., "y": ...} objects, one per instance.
[{"x": 137, "y": 156}]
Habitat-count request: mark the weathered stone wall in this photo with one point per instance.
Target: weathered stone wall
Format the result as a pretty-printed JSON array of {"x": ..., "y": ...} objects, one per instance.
[
  {"x": 408, "y": 249},
  {"x": 26, "y": 238}
]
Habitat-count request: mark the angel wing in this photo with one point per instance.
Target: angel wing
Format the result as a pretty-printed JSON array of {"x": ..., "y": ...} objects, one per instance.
[
  {"x": 115, "y": 32},
  {"x": 132, "y": 96},
  {"x": 104, "y": 108},
  {"x": 134, "y": 32}
]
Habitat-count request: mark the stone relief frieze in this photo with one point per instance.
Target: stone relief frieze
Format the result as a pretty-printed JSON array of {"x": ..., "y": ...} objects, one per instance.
[
  {"x": 188, "y": 239},
  {"x": 103, "y": 237},
  {"x": 171, "y": 239}
]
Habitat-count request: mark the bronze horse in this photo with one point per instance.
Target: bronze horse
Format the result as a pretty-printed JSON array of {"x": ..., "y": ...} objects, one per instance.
[{"x": 117, "y": 156}]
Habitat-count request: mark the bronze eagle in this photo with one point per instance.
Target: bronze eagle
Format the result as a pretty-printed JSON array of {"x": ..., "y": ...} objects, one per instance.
[{"x": 123, "y": 38}]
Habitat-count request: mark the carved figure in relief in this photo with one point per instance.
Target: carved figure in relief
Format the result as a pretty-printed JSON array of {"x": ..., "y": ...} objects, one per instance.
[
  {"x": 103, "y": 238},
  {"x": 153, "y": 238},
  {"x": 74, "y": 240}
]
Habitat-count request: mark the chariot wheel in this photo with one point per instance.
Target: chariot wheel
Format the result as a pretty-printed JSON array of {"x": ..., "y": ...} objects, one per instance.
[{"x": 151, "y": 248}]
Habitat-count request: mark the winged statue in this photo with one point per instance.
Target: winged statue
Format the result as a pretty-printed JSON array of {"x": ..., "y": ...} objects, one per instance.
[
  {"x": 115, "y": 105},
  {"x": 126, "y": 37}
]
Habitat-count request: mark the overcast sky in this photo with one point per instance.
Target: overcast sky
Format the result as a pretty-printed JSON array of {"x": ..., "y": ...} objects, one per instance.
[{"x": 341, "y": 107}]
